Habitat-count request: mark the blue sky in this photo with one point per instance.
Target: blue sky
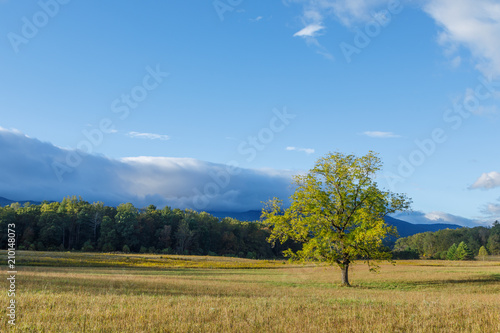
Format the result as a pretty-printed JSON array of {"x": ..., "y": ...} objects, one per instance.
[{"x": 169, "y": 93}]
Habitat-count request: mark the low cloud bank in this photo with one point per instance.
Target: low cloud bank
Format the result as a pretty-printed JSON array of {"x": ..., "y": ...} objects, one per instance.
[{"x": 27, "y": 173}]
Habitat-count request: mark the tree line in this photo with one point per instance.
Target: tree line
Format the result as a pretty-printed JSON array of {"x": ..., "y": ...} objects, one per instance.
[
  {"x": 75, "y": 224},
  {"x": 443, "y": 244}
]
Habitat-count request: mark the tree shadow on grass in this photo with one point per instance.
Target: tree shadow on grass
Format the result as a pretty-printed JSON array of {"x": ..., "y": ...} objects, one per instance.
[{"x": 415, "y": 285}]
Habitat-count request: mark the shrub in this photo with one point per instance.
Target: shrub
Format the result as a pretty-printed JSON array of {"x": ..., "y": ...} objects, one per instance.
[
  {"x": 108, "y": 247},
  {"x": 87, "y": 246},
  {"x": 407, "y": 253},
  {"x": 126, "y": 249},
  {"x": 40, "y": 246},
  {"x": 251, "y": 255}
]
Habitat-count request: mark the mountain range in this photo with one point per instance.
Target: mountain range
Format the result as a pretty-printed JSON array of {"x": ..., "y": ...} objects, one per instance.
[
  {"x": 5, "y": 202},
  {"x": 404, "y": 228}
]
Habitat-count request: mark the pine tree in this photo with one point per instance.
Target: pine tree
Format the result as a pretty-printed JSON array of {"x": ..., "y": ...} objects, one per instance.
[
  {"x": 451, "y": 254},
  {"x": 463, "y": 252}
]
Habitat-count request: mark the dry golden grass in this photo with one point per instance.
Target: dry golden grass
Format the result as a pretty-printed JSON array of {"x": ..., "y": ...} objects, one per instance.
[
  {"x": 79, "y": 259},
  {"x": 413, "y": 296}
]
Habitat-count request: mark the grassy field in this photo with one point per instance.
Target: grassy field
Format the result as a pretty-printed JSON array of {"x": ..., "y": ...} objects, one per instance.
[{"x": 67, "y": 292}]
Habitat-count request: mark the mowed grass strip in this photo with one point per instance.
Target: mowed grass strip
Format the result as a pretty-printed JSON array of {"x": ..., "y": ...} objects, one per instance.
[{"x": 412, "y": 296}]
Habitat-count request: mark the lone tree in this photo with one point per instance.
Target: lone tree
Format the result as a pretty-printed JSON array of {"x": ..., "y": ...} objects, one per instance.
[{"x": 337, "y": 213}]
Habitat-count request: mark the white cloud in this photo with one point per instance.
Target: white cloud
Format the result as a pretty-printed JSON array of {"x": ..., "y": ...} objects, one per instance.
[
  {"x": 493, "y": 209},
  {"x": 27, "y": 172},
  {"x": 417, "y": 217},
  {"x": 150, "y": 136},
  {"x": 347, "y": 12},
  {"x": 470, "y": 24},
  {"x": 257, "y": 19},
  {"x": 474, "y": 24},
  {"x": 310, "y": 31},
  {"x": 455, "y": 62},
  {"x": 487, "y": 181},
  {"x": 480, "y": 110},
  {"x": 305, "y": 150},
  {"x": 382, "y": 135}
]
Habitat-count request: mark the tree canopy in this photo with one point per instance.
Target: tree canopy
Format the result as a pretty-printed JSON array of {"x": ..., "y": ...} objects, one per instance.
[{"x": 337, "y": 212}]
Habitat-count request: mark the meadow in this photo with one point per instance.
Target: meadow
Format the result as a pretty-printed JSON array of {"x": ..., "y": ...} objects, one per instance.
[{"x": 88, "y": 292}]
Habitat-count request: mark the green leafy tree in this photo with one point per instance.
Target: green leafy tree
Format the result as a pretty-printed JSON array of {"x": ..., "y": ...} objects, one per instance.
[
  {"x": 452, "y": 252},
  {"x": 337, "y": 213},
  {"x": 97, "y": 213},
  {"x": 494, "y": 244},
  {"x": 7, "y": 216},
  {"x": 483, "y": 253},
  {"x": 126, "y": 221},
  {"x": 184, "y": 235},
  {"x": 109, "y": 238},
  {"x": 50, "y": 225}
]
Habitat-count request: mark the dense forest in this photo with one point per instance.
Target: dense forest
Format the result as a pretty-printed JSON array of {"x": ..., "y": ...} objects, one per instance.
[
  {"x": 439, "y": 244},
  {"x": 74, "y": 224}
]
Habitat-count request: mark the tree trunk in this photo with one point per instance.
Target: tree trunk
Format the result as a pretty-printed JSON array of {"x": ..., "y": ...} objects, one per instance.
[{"x": 345, "y": 274}]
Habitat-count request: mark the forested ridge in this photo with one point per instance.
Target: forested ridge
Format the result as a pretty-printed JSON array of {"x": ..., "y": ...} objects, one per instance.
[{"x": 75, "y": 224}]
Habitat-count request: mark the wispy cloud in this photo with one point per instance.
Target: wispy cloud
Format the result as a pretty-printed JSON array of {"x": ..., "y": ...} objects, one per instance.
[
  {"x": 474, "y": 24},
  {"x": 487, "y": 180},
  {"x": 257, "y": 19},
  {"x": 485, "y": 109},
  {"x": 381, "y": 135},
  {"x": 150, "y": 136},
  {"x": 310, "y": 31},
  {"x": 493, "y": 209},
  {"x": 347, "y": 12},
  {"x": 304, "y": 150}
]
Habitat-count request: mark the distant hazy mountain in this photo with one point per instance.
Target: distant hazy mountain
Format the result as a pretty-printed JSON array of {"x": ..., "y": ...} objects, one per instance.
[
  {"x": 5, "y": 202},
  {"x": 405, "y": 229}
]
